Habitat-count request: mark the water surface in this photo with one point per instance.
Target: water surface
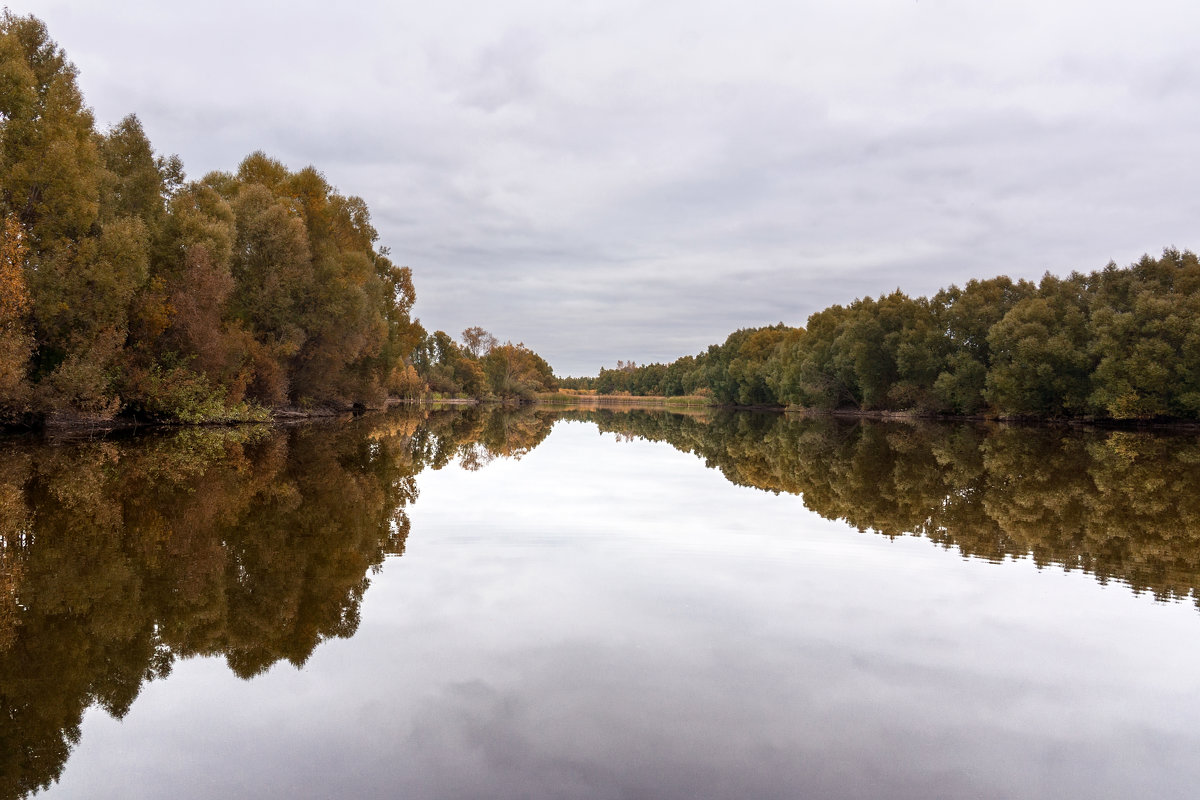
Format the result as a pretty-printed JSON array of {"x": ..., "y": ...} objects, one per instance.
[{"x": 600, "y": 604}]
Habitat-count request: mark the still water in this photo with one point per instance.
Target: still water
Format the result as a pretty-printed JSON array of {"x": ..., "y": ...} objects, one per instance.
[{"x": 468, "y": 603}]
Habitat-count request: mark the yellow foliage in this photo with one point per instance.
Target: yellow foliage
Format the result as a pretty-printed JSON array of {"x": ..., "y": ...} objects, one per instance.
[{"x": 406, "y": 383}]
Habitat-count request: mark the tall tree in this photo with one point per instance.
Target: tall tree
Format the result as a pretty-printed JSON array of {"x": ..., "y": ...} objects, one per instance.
[
  {"x": 478, "y": 342},
  {"x": 49, "y": 166}
]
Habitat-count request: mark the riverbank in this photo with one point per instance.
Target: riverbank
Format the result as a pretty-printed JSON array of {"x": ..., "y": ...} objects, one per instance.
[
  {"x": 77, "y": 422},
  {"x": 1066, "y": 422},
  {"x": 72, "y": 424},
  {"x": 571, "y": 399}
]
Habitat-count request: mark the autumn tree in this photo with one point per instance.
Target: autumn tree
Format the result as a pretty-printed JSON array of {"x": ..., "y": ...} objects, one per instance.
[
  {"x": 448, "y": 368},
  {"x": 16, "y": 343},
  {"x": 50, "y": 174},
  {"x": 174, "y": 301},
  {"x": 477, "y": 342},
  {"x": 513, "y": 370}
]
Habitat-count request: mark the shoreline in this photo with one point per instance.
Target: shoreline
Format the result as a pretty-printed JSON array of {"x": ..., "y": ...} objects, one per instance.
[
  {"x": 659, "y": 401},
  {"x": 61, "y": 424},
  {"x": 1055, "y": 422},
  {"x": 65, "y": 423}
]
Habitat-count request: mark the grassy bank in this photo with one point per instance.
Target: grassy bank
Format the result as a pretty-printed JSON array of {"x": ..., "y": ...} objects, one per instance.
[{"x": 569, "y": 398}]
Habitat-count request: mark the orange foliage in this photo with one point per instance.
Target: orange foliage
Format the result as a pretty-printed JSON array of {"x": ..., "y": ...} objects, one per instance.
[
  {"x": 16, "y": 345},
  {"x": 14, "y": 295}
]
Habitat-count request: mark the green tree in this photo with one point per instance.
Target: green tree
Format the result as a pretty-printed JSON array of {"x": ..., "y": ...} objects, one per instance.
[
  {"x": 513, "y": 370},
  {"x": 967, "y": 315},
  {"x": 1144, "y": 331},
  {"x": 135, "y": 182},
  {"x": 49, "y": 166},
  {"x": 1041, "y": 362}
]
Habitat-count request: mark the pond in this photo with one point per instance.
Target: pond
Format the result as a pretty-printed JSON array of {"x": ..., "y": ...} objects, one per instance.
[{"x": 536, "y": 603}]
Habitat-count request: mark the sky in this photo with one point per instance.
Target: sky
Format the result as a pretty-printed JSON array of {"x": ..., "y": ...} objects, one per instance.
[{"x": 636, "y": 180}]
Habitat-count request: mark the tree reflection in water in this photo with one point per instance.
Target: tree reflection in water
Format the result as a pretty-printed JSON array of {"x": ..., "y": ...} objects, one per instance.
[
  {"x": 120, "y": 556},
  {"x": 1118, "y": 505}
]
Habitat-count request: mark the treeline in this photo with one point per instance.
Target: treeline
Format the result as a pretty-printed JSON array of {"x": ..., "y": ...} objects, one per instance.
[
  {"x": 1118, "y": 343},
  {"x": 127, "y": 290},
  {"x": 481, "y": 367}
]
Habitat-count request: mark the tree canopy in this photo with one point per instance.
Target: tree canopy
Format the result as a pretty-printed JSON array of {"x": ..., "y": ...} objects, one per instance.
[
  {"x": 126, "y": 289},
  {"x": 1118, "y": 343}
]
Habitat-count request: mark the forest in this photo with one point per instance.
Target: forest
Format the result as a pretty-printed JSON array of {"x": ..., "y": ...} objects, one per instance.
[
  {"x": 1117, "y": 343},
  {"x": 128, "y": 291}
]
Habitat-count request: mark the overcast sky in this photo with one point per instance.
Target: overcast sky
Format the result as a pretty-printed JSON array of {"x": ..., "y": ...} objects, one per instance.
[{"x": 635, "y": 180}]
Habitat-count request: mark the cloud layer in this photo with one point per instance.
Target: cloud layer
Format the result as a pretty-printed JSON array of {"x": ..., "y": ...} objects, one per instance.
[{"x": 631, "y": 180}]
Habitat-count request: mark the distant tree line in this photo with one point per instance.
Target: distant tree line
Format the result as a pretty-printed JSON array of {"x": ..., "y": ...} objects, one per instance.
[
  {"x": 1119, "y": 343},
  {"x": 127, "y": 290},
  {"x": 481, "y": 367}
]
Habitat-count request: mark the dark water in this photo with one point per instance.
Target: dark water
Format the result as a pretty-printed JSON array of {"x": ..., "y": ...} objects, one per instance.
[{"x": 484, "y": 604}]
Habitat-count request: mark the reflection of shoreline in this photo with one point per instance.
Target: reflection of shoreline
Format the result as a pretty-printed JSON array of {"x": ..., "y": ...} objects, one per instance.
[
  {"x": 695, "y": 403},
  {"x": 120, "y": 555},
  {"x": 570, "y": 401},
  {"x": 1149, "y": 426},
  {"x": 1118, "y": 505}
]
